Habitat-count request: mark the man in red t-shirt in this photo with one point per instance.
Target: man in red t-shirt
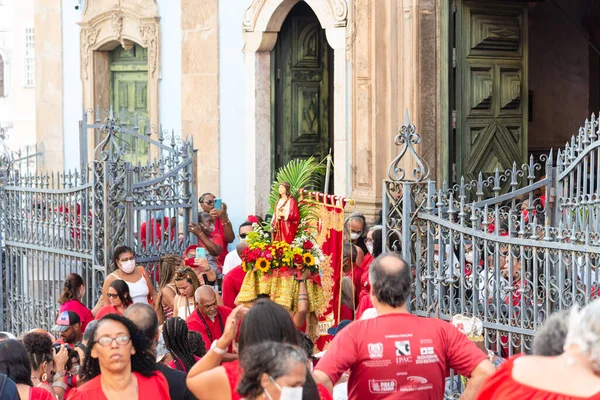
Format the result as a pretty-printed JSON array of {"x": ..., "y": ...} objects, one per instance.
[
  {"x": 222, "y": 223},
  {"x": 208, "y": 238},
  {"x": 209, "y": 318},
  {"x": 232, "y": 283},
  {"x": 399, "y": 355}
]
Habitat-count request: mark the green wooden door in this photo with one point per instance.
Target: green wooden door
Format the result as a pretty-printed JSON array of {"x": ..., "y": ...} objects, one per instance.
[
  {"x": 301, "y": 67},
  {"x": 491, "y": 86},
  {"x": 129, "y": 94}
]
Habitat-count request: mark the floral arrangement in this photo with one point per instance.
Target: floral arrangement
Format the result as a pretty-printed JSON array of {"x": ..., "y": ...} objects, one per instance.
[{"x": 265, "y": 256}]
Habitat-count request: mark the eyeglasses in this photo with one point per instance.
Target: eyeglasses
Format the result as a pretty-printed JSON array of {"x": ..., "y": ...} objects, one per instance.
[
  {"x": 209, "y": 202},
  {"x": 112, "y": 295},
  {"x": 106, "y": 341},
  {"x": 127, "y": 259}
]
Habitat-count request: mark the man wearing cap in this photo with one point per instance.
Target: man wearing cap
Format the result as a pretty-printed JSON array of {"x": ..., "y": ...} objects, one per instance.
[{"x": 68, "y": 325}]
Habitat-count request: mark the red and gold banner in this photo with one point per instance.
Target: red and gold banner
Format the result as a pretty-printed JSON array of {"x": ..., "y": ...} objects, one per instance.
[{"x": 330, "y": 227}]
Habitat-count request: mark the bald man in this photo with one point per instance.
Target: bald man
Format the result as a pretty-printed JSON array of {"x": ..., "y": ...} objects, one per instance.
[
  {"x": 208, "y": 319},
  {"x": 232, "y": 283}
]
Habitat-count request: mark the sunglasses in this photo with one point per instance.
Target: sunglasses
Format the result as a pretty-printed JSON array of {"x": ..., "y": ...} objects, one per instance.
[
  {"x": 106, "y": 341},
  {"x": 182, "y": 275},
  {"x": 112, "y": 295},
  {"x": 209, "y": 202},
  {"x": 243, "y": 235}
]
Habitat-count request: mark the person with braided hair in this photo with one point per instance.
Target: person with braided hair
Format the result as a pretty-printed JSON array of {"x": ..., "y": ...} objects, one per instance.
[
  {"x": 166, "y": 287},
  {"x": 44, "y": 360},
  {"x": 70, "y": 300},
  {"x": 175, "y": 335},
  {"x": 118, "y": 364}
]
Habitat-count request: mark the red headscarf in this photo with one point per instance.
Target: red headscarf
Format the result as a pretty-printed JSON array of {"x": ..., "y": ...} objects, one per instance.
[{"x": 190, "y": 247}]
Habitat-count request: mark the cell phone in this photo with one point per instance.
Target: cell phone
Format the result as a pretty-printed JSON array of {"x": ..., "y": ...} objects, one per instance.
[
  {"x": 200, "y": 252},
  {"x": 218, "y": 204}
]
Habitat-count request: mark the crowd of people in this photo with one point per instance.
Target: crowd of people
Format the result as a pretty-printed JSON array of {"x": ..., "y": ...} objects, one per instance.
[{"x": 187, "y": 338}]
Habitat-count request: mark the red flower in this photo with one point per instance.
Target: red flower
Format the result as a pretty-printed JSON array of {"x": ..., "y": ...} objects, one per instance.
[
  {"x": 267, "y": 255},
  {"x": 252, "y": 219},
  {"x": 298, "y": 259},
  {"x": 308, "y": 245},
  {"x": 279, "y": 253},
  {"x": 283, "y": 269}
]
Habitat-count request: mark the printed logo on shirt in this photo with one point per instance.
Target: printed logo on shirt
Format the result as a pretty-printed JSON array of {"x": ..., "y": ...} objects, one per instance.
[
  {"x": 375, "y": 350},
  {"x": 426, "y": 341},
  {"x": 402, "y": 348},
  {"x": 427, "y": 356},
  {"x": 383, "y": 386},
  {"x": 417, "y": 379}
]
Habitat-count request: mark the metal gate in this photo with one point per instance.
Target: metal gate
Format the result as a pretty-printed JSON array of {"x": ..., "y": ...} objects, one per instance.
[
  {"x": 510, "y": 248},
  {"x": 53, "y": 224}
]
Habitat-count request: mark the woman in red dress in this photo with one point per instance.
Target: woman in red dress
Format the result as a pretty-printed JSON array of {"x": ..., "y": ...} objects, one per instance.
[
  {"x": 119, "y": 365},
  {"x": 266, "y": 321},
  {"x": 286, "y": 216},
  {"x": 569, "y": 376}
]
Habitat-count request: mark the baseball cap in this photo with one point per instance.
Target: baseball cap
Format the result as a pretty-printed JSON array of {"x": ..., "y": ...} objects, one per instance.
[
  {"x": 65, "y": 320},
  {"x": 336, "y": 329}
]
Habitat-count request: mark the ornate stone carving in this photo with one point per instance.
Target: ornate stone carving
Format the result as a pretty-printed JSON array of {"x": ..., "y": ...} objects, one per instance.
[
  {"x": 251, "y": 14},
  {"x": 117, "y": 27},
  {"x": 88, "y": 39},
  {"x": 149, "y": 33},
  {"x": 339, "y": 10}
]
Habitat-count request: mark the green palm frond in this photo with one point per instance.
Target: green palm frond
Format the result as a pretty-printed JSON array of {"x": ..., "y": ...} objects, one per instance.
[{"x": 300, "y": 174}]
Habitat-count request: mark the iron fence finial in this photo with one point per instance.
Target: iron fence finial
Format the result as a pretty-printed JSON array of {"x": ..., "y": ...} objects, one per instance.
[{"x": 406, "y": 139}]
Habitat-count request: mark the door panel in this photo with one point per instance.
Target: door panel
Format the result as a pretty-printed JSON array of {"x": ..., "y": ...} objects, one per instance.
[
  {"x": 129, "y": 84},
  {"x": 491, "y": 80},
  {"x": 302, "y": 98}
]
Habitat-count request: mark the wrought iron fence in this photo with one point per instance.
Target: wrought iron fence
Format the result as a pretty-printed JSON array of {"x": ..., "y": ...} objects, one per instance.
[
  {"x": 508, "y": 248},
  {"x": 57, "y": 223}
]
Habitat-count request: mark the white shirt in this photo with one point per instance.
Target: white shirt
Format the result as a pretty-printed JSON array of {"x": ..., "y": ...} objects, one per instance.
[{"x": 232, "y": 260}]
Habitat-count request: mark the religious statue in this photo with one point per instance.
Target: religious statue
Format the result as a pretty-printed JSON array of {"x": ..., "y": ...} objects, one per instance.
[{"x": 286, "y": 216}]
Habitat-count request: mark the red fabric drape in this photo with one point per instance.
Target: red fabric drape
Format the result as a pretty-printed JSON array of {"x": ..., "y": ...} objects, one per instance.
[{"x": 331, "y": 233}]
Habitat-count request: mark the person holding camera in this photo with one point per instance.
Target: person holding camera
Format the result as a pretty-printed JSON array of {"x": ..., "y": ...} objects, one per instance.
[{"x": 45, "y": 359}]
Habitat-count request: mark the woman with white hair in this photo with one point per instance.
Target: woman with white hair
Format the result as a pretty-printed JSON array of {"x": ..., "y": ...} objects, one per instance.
[{"x": 571, "y": 375}]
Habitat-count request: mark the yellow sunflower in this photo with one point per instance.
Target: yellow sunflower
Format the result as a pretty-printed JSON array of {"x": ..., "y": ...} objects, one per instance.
[
  {"x": 309, "y": 259},
  {"x": 263, "y": 265}
]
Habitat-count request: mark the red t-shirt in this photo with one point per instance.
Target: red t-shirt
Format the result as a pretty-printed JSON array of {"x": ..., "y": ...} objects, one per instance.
[
  {"x": 155, "y": 387},
  {"x": 363, "y": 304},
  {"x": 39, "y": 393},
  {"x": 501, "y": 385},
  {"x": 399, "y": 356},
  {"x": 355, "y": 274},
  {"x": 107, "y": 310},
  {"x": 365, "y": 285},
  {"x": 220, "y": 230},
  {"x": 195, "y": 324},
  {"x": 218, "y": 240},
  {"x": 232, "y": 283},
  {"x": 85, "y": 315},
  {"x": 155, "y": 231}
]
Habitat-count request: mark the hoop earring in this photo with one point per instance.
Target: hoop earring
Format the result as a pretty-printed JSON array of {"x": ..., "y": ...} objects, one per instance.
[{"x": 45, "y": 377}]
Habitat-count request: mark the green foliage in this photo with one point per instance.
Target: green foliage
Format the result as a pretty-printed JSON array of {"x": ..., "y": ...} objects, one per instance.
[{"x": 300, "y": 174}]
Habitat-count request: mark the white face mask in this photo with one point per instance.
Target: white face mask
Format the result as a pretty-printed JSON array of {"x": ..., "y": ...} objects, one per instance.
[
  {"x": 287, "y": 393},
  {"x": 469, "y": 257},
  {"x": 354, "y": 236},
  {"x": 370, "y": 247},
  {"x": 210, "y": 229},
  {"x": 128, "y": 266}
]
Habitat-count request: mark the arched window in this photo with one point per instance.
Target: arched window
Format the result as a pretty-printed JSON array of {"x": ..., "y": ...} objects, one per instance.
[{"x": 1, "y": 76}]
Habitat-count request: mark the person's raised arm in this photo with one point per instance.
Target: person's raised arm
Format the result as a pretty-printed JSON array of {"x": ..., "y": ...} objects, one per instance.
[
  {"x": 228, "y": 233},
  {"x": 107, "y": 282},
  {"x": 481, "y": 372},
  {"x": 202, "y": 263},
  {"x": 212, "y": 248},
  {"x": 299, "y": 316}
]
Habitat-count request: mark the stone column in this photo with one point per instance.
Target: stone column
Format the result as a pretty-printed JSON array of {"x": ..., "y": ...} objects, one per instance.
[
  {"x": 200, "y": 87},
  {"x": 49, "y": 82}
]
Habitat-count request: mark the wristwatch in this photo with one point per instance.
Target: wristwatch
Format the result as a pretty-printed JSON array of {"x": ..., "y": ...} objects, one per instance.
[{"x": 214, "y": 347}]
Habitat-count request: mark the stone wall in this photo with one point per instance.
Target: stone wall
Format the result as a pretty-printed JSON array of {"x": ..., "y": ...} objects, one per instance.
[
  {"x": 200, "y": 86},
  {"x": 48, "y": 82}
]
